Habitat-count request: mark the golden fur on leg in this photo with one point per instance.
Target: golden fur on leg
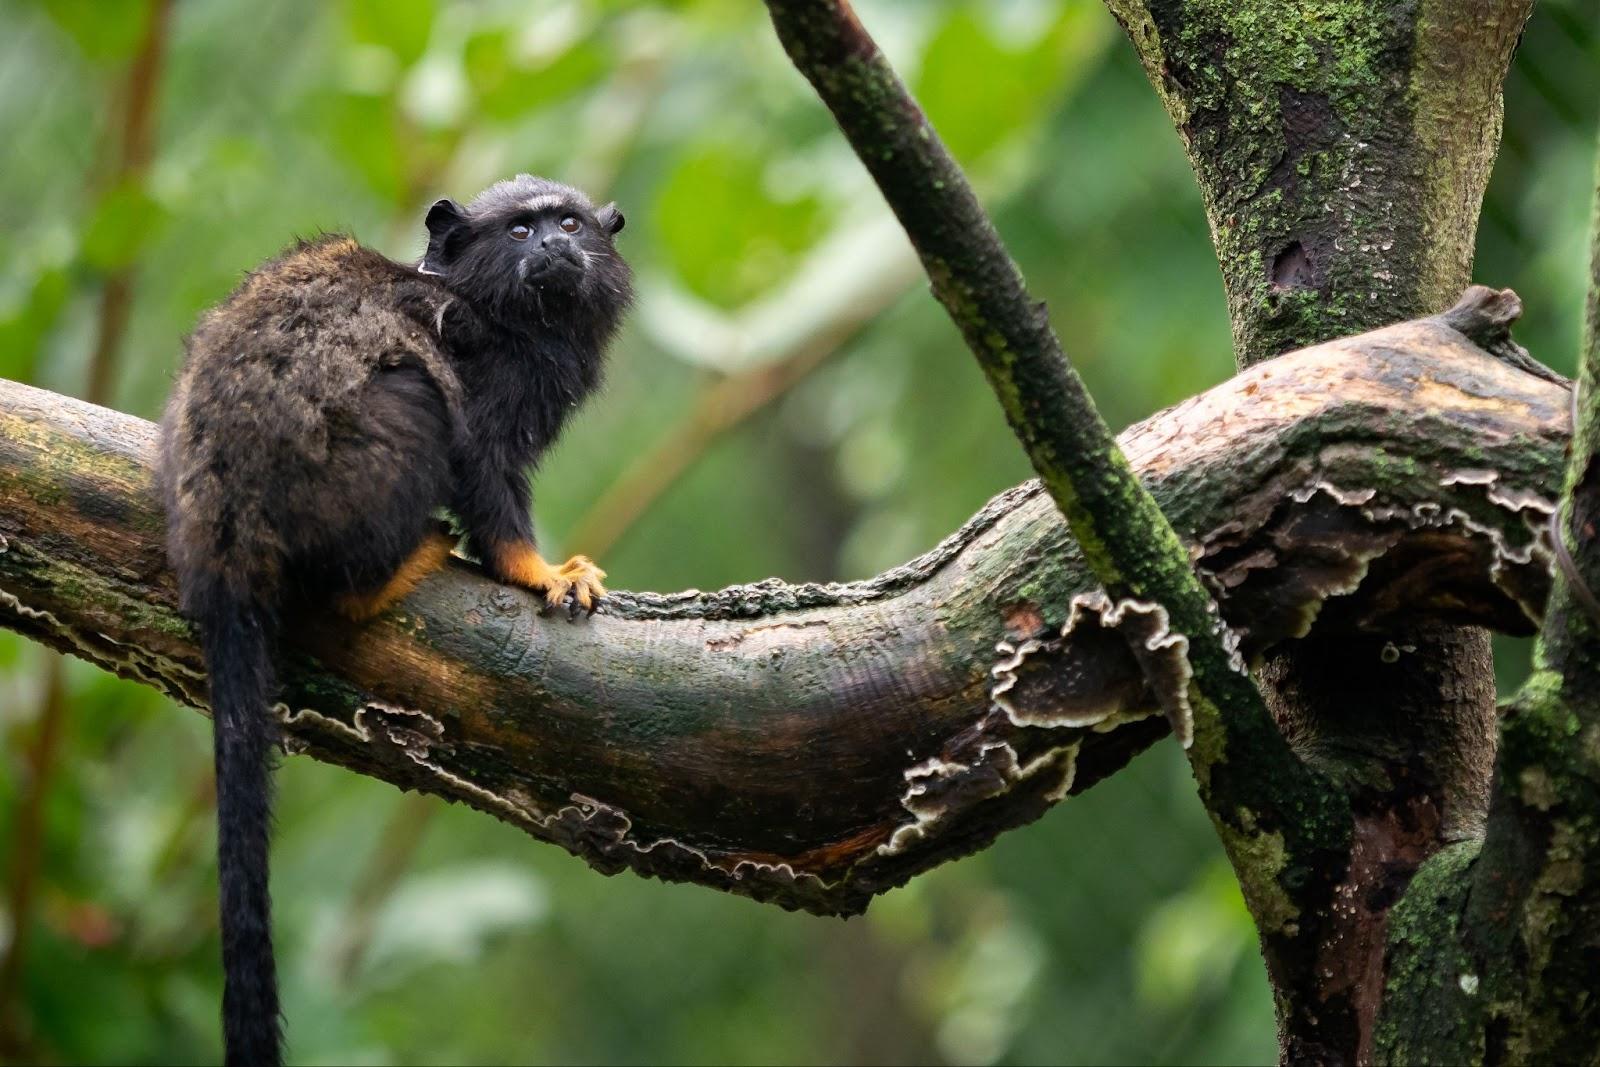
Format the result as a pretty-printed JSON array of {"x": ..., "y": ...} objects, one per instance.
[{"x": 423, "y": 561}]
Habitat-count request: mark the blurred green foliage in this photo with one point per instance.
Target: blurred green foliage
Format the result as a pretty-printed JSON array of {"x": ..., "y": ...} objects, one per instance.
[{"x": 413, "y": 932}]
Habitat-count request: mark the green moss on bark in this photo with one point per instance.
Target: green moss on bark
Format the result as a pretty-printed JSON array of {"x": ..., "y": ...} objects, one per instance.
[
  {"x": 1531, "y": 911},
  {"x": 1433, "y": 995},
  {"x": 1342, "y": 148}
]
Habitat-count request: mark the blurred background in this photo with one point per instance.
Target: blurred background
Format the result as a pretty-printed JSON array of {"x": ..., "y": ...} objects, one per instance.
[{"x": 787, "y": 400}]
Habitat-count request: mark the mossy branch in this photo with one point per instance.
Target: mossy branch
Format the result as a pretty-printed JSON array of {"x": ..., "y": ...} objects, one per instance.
[
  {"x": 1275, "y": 815},
  {"x": 814, "y": 745}
]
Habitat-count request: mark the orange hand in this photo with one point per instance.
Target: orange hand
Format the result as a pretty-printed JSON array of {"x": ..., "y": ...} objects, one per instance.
[
  {"x": 520, "y": 564},
  {"x": 585, "y": 578}
]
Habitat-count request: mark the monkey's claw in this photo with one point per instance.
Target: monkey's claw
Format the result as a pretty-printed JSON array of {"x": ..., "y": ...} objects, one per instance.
[{"x": 574, "y": 608}]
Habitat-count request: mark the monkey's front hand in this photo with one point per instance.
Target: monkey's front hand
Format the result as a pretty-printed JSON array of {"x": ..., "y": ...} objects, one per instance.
[{"x": 574, "y": 585}]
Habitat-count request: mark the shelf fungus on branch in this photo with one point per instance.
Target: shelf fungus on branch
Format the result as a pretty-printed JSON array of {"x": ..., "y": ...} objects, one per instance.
[{"x": 813, "y": 745}]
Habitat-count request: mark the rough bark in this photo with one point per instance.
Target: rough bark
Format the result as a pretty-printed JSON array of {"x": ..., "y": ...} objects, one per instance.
[
  {"x": 1342, "y": 149},
  {"x": 1496, "y": 948},
  {"x": 814, "y": 745}
]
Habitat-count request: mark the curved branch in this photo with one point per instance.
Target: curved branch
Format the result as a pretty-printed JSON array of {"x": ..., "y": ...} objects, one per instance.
[{"x": 814, "y": 745}]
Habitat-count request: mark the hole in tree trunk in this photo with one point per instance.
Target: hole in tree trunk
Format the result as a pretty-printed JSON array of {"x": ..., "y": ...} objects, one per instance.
[{"x": 1291, "y": 268}]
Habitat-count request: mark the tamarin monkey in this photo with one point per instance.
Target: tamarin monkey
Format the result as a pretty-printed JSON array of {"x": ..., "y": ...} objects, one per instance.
[{"x": 324, "y": 411}]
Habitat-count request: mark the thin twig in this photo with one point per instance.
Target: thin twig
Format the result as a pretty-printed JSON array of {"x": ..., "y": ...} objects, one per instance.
[
  {"x": 178, "y": 845},
  {"x": 134, "y": 154},
  {"x": 722, "y": 406},
  {"x": 397, "y": 846}
]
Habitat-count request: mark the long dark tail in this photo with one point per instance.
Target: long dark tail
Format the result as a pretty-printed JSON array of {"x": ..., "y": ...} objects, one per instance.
[{"x": 239, "y": 638}]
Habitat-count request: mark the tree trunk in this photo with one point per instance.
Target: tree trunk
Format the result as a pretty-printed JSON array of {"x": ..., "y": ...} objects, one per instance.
[{"x": 1342, "y": 149}]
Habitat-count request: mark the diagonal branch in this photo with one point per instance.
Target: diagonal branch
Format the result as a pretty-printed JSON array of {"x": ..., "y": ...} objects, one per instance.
[
  {"x": 814, "y": 745},
  {"x": 1127, "y": 541},
  {"x": 1277, "y": 815}
]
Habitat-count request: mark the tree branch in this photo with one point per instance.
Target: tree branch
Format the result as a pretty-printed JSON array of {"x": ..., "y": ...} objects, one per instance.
[
  {"x": 1279, "y": 816},
  {"x": 814, "y": 745},
  {"x": 728, "y": 400},
  {"x": 1127, "y": 542}
]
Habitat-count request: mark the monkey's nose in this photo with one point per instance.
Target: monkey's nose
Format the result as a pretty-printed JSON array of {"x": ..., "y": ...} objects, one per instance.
[{"x": 555, "y": 240}]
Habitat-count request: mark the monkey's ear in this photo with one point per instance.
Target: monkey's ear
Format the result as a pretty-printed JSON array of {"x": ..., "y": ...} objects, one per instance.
[
  {"x": 611, "y": 218},
  {"x": 445, "y": 222},
  {"x": 444, "y": 216}
]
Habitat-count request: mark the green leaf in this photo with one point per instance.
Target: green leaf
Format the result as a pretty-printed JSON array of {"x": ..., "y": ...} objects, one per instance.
[
  {"x": 24, "y": 327},
  {"x": 360, "y": 129},
  {"x": 103, "y": 29},
  {"x": 978, "y": 88},
  {"x": 507, "y": 84},
  {"x": 123, "y": 222},
  {"x": 722, "y": 229},
  {"x": 1189, "y": 946},
  {"x": 401, "y": 26}
]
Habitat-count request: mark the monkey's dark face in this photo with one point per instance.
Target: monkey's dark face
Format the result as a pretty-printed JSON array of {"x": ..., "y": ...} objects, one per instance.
[{"x": 531, "y": 251}]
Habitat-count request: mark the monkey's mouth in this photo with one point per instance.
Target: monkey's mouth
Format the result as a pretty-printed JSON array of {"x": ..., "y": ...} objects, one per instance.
[{"x": 551, "y": 266}]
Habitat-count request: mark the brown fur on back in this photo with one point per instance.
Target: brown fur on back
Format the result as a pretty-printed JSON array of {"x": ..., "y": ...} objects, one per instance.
[{"x": 274, "y": 430}]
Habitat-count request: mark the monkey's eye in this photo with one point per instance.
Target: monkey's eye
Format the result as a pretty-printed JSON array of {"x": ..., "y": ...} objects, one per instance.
[
  {"x": 571, "y": 224},
  {"x": 520, "y": 231}
]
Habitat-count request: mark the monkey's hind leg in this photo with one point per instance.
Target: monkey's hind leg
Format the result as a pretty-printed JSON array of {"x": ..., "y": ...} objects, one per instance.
[{"x": 423, "y": 561}]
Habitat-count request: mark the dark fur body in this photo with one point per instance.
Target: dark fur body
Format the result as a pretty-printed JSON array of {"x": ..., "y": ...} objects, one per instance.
[{"x": 325, "y": 409}]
